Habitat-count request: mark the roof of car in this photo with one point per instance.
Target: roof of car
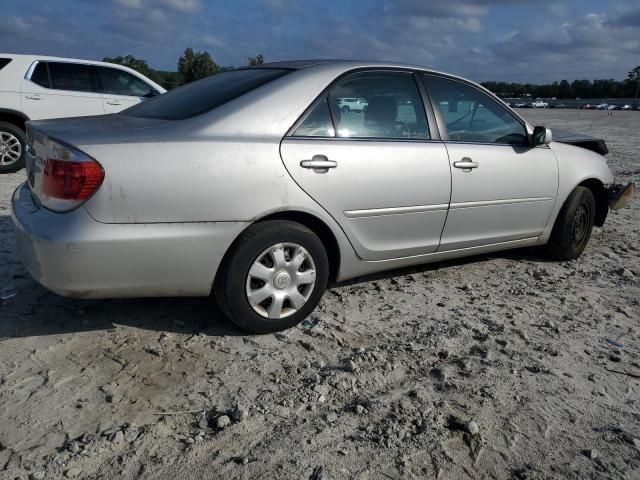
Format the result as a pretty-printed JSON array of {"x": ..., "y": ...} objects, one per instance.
[{"x": 299, "y": 64}]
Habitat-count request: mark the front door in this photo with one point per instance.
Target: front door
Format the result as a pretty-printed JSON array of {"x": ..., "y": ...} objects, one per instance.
[
  {"x": 121, "y": 89},
  {"x": 374, "y": 170},
  {"x": 502, "y": 189}
]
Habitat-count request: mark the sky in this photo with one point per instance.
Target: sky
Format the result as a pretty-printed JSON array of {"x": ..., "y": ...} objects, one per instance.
[{"x": 518, "y": 41}]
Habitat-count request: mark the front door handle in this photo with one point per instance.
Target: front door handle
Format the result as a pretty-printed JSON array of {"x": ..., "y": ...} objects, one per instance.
[
  {"x": 33, "y": 97},
  {"x": 113, "y": 102},
  {"x": 319, "y": 163},
  {"x": 466, "y": 164}
]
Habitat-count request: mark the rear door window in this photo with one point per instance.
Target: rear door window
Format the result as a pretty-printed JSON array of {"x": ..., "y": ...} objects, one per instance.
[
  {"x": 40, "y": 75},
  {"x": 119, "y": 82},
  {"x": 73, "y": 77},
  {"x": 318, "y": 123},
  {"x": 379, "y": 105},
  {"x": 4, "y": 62}
]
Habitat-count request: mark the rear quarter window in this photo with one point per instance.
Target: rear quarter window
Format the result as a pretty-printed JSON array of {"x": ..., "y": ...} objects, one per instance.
[
  {"x": 205, "y": 95},
  {"x": 4, "y": 62}
]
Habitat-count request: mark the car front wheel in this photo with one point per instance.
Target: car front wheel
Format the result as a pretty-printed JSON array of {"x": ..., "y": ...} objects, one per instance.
[
  {"x": 573, "y": 226},
  {"x": 273, "y": 277},
  {"x": 345, "y": 109},
  {"x": 12, "y": 147}
]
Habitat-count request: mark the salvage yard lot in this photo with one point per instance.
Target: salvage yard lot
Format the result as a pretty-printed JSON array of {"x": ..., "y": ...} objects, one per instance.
[{"x": 382, "y": 381}]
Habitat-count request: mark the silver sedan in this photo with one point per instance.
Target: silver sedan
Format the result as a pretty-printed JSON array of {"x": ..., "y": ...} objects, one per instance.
[{"x": 254, "y": 185}]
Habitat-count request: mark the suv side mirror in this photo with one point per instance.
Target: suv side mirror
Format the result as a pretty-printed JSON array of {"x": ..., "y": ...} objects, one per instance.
[{"x": 541, "y": 136}]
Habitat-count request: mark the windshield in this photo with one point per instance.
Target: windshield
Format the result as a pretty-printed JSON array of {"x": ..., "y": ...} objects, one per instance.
[{"x": 204, "y": 95}]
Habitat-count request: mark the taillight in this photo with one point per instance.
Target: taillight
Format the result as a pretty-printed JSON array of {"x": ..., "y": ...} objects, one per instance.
[{"x": 69, "y": 178}]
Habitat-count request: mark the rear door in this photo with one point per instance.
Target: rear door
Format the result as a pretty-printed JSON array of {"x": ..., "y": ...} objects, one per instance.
[
  {"x": 378, "y": 171},
  {"x": 122, "y": 89},
  {"x": 61, "y": 89},
  {"x": 502, "y": 188}
]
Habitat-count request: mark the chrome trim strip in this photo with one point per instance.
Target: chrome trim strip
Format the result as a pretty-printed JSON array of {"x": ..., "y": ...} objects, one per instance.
[
  {"x": 490, "y": 203},
  {"x": 376, "y": 212}
]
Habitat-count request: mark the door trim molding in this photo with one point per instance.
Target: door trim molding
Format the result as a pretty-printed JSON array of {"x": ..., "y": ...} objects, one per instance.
[
  {"x": 490, "y": 203},
  {"x": 379, "y": 212}
]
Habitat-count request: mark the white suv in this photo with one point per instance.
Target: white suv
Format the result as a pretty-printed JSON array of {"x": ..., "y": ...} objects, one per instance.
[{"x": 38, "y": 87}]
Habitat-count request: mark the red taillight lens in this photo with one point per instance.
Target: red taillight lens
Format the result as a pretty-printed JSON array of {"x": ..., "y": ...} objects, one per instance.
[{"x": 71, "y": 180}]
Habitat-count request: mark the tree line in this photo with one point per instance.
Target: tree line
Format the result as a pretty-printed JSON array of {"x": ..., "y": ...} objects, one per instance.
[
  {"x": 194, "y": 65},
  {"x": 609, "y": 88}
]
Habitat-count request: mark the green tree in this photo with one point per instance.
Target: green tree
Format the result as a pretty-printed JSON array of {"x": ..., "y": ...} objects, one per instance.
[
  {"x": 136, "y": 64},
  {"x": 196, "y": 65},
  {"x": 634, "y": 76},
  {"x": 257, "y": 60}
]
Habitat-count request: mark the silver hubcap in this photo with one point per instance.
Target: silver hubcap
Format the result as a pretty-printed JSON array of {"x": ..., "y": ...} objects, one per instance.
[
  {"x": 10, "y": 148},
  {"x": 280, "y": 280}
]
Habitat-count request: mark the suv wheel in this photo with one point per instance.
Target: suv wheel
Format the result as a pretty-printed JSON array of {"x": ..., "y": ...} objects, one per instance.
[
  {"x": 274, "y": 276},
  {"x": 345, "y": 109},
  {"x": 573, "y": 226},
  {"x": 12, "y": 147}
]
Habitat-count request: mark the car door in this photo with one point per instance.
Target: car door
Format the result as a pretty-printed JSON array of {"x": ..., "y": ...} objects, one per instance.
[
  {"x": 502, "y": 189},
  {"x": 376, "y": 171},
  {"x": 122, "y": 89},
  {"x": 61, "y": 89}
]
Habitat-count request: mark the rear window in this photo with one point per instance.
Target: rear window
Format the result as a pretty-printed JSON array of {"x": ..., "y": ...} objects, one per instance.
[
  {"x": 4, "y": 62},
  {"x": 204, "y": 95}
]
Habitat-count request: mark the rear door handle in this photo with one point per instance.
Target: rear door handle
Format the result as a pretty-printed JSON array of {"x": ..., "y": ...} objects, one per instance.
[
  {"x": 113, "y": 102},
  {"x": 33, "y": 97},
  {"x": 319, "y": 163},
  {"x": 466, "y": 164}
]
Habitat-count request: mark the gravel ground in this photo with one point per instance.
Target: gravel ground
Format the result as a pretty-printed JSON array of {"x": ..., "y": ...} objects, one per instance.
[{"x": 501, "y": 366}]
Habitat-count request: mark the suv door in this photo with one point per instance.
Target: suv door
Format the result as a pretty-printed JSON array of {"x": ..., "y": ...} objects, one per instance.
[
  {"x": 377, "y": 172},
  {"x": 502, "y": 188},
  {"x": 61, "y": 89},
  {"x": 121, "y": 89}
]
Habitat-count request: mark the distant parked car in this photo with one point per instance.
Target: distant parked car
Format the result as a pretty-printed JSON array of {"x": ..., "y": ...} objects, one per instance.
[
  {"x": 626, "y": 107},
  {"x": 613, "y": 107},
  {"x": 352, "y": 104},
  {"x": 539, "y": 104},
  {"x": 602, "y": 106},
  {"x": 558, "y": 105},
  {"x": 35, "y": 87},
  {"x": 250, "y": 184},
  {"x": 520, "y": 105}
]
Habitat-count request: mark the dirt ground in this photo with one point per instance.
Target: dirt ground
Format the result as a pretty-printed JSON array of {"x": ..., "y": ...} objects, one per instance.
[{"x": 501, "y": 366}]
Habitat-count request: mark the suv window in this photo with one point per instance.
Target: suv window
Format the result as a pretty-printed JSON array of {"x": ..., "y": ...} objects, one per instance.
[
  {"x": 4, "y": 62},
  {"x": 318, "y": 123},
  {"x": 387, "y": 105},
  {"x": 119, "y": 82},
  {"x": 73, "y": 76},
  {"x": 40, "y": 75},
  {"x": 205, "y": 95},
  {"x": 472, "y": 116}
]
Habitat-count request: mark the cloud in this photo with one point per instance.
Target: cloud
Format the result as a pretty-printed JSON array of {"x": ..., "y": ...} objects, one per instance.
[
  {"x": 183, "y": 6},
  {"x": 212, "y": 41}
]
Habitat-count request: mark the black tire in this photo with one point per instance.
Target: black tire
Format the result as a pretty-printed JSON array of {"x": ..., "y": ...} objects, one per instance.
[
  {"x": 345, "y": 109},
  {"x": 231, "y": 282},
  {"x": 19, "y": 134},
  {"x": 573, "y": 227}
]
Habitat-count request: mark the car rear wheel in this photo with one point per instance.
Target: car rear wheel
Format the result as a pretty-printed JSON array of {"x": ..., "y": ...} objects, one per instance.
[
  {"x": 12, "y": 147},
  {"x": 345, "y": 109},
  {"x": 573, "y": 226},
  {"x": 273, "y": 277}
]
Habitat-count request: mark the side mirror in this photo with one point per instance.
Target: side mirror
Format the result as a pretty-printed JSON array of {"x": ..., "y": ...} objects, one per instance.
[{"x": 541, "y": 136}]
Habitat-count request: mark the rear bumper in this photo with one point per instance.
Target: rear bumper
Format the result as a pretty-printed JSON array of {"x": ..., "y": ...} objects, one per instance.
[
  {"x": 73, "y": 255},
  {"x": 621, "y": 195}
]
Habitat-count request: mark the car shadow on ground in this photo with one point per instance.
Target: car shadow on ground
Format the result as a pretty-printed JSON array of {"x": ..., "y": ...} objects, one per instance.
[{"x": 34, "y": 311}]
